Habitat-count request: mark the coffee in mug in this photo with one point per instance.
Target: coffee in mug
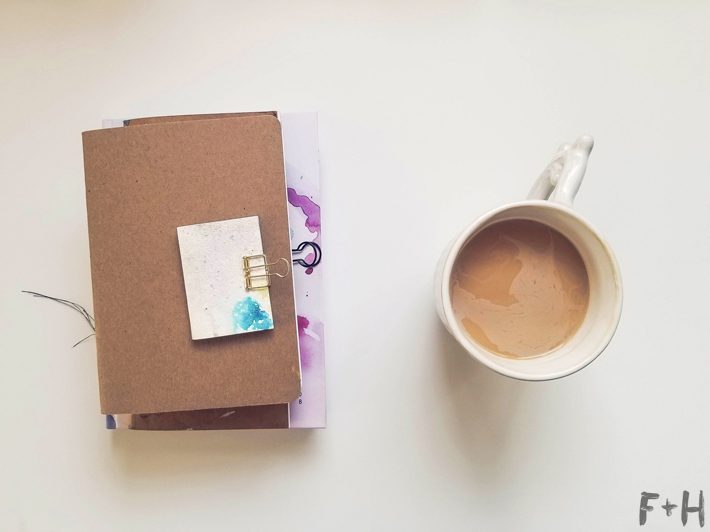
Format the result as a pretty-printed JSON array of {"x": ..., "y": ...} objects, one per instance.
[{"x": 519, "y": 288}]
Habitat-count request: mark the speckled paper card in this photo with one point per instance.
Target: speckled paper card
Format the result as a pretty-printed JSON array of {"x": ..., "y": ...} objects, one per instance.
[{"x": 218, "y": 301}]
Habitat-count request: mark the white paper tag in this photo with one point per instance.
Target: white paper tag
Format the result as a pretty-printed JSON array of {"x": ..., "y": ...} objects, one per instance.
[{"x": 212, "y": 265}]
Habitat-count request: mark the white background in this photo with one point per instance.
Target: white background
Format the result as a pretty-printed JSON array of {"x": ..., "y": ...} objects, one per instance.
[{"x": 432, "y": 112}]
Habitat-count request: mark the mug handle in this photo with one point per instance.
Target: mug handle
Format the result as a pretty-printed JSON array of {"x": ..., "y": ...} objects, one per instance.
[{"x": 561, "y": 179}]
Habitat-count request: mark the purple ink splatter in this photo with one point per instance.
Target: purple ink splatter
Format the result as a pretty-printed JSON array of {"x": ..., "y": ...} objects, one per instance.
[
  {"x": 309, "y": 208},
  {"x": 303, "y": 323},
  {"x": 309, "y": 259},
  {"x": 309, "y": 343}
]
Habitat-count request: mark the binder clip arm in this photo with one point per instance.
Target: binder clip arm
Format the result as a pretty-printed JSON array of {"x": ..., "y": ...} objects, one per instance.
[
  {"x": 317, "y": 254},
  {"x": 258, "y": 271}
]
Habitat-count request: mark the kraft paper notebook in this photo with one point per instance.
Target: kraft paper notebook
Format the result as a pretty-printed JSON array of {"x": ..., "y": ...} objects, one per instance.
[
  {"x": 142, "y": 183},
  {"x": 300, "y": 141}
]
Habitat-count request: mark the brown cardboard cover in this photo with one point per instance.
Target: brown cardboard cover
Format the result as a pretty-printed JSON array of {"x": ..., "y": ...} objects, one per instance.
[
  {"x": 180, "y": 118},
  {"x": 244, "y": 417},
  {"x": 142, "y": 182}
]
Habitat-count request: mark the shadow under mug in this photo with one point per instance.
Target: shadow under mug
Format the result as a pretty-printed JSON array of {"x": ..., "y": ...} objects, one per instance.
[{"x": 550, "y": 203}]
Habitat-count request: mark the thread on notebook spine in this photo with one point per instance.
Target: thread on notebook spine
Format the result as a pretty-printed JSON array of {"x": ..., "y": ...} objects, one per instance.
[{"x": 75, "y": 306}]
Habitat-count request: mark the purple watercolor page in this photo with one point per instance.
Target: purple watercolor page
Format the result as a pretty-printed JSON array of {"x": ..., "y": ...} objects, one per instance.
[{"x": 300, "y": 138}]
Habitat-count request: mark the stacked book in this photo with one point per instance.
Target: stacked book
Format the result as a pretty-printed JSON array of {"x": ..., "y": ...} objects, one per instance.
[{"x": 205, "y": 239}]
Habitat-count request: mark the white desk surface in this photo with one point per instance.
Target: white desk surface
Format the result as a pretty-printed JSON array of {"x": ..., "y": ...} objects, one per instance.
[{"x": 432, "y": 112}]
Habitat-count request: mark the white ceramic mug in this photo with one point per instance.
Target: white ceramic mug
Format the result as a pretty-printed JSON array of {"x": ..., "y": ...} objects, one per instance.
[{"x": 549, "y": 202}]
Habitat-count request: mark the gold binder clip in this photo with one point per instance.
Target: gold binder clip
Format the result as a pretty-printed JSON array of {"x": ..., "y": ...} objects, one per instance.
[{"x": 257, "y": 271}]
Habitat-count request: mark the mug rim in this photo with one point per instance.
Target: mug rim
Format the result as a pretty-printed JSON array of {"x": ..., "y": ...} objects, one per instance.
[{"x": 484, "y": 356}]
